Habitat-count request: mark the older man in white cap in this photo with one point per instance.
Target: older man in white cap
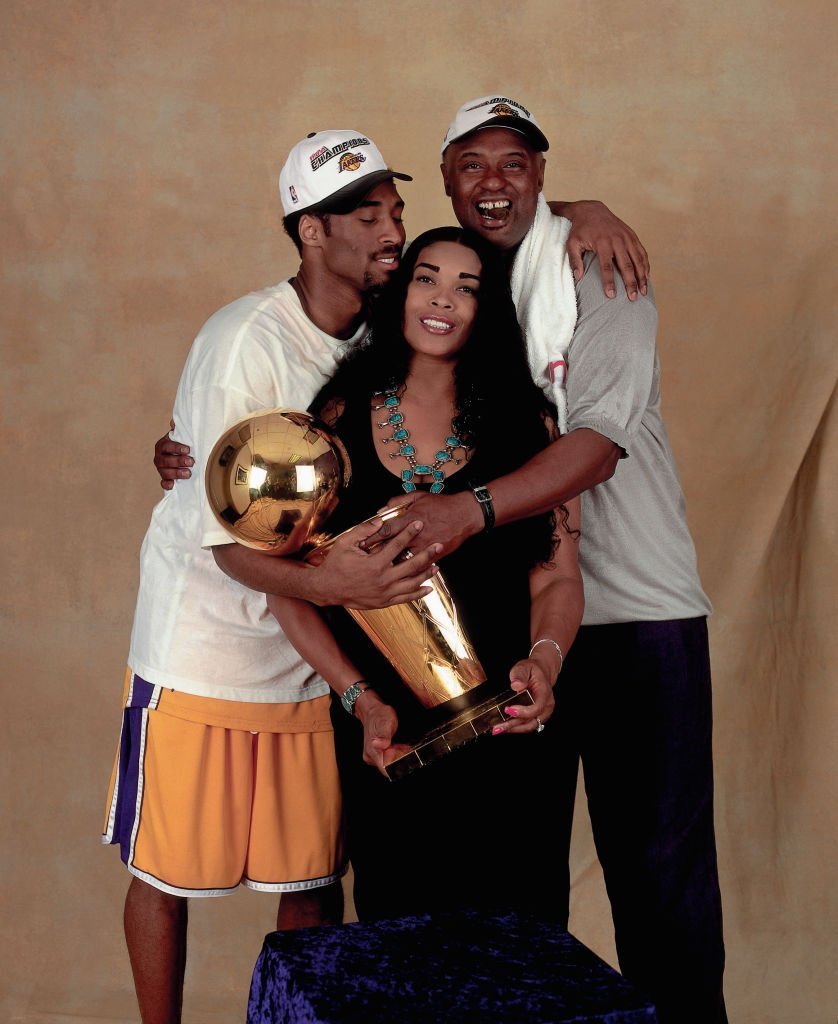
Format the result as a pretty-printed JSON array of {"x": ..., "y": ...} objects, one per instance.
[
  {"x": 226, "y": 771},
  {"x": 634, "y": 698}
]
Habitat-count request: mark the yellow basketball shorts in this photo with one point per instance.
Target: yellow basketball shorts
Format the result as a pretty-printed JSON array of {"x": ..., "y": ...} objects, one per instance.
[{"x": 199, "y": 807}]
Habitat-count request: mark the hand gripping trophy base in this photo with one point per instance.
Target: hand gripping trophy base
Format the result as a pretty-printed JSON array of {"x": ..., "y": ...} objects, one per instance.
[
  {"x": 456, "y": 733},
  {"x": 426, "y": 644}
]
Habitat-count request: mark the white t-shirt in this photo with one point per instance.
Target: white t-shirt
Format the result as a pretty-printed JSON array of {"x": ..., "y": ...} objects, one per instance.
[{"x": 195, "y": 629}]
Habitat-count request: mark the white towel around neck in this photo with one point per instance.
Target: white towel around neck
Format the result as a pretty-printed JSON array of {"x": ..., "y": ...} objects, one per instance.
[{"x": 545, "y": 297}]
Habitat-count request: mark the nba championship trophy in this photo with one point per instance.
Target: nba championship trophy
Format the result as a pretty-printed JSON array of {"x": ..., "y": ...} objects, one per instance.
[{"x": 272, "y": 481}]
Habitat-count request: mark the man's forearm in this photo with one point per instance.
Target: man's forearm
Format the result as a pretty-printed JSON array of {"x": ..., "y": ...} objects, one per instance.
[
  {"x": 347, "y": 575},
  {"x": 570, "y": 465},
  {"x": 562, "y": 207},
  {"x": 284, "y": 577},
  {"x": 305, "y": 627},
  {"x": 567, "y": 467}
]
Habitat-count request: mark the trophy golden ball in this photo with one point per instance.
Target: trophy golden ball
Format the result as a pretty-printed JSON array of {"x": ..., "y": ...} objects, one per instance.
[{"x": 274, "y": 478}]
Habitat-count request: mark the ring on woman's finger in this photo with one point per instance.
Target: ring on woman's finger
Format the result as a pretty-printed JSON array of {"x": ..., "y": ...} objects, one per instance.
[{"x": 540, "y": 726}]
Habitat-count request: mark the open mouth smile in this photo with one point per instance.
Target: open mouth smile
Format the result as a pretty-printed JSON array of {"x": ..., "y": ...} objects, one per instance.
[
  {"x": 390, "y": 258},
  {"x": 494, "y": 209},
  {"x": 437, "y": 325}
]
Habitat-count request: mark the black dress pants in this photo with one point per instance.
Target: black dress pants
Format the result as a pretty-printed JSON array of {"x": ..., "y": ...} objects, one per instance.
[{"x": 634, "y": 699}]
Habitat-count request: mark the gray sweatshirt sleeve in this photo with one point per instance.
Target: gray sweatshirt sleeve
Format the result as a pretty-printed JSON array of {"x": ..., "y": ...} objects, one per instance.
[{"x": 612, "y": 360}]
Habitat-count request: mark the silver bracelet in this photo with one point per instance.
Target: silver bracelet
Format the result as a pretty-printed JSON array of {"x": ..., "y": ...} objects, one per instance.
[
  {"x": 351, "y": 694},
  {"x": 547, "y": 640}
]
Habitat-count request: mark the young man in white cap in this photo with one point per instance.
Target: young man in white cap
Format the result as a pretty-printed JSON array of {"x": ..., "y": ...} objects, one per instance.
[
  {"x": 226, "y": 771},
  {"x": 634, "y": 698}
]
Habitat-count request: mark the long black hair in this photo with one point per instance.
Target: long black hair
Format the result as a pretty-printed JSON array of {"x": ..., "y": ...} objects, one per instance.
[{"x": 499, "y": 409}]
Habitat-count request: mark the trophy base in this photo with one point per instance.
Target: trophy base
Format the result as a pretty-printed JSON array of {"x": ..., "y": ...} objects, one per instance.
[{"x": 466, "y": 726}]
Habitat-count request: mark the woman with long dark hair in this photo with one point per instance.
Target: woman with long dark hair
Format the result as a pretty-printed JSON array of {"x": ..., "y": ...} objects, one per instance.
[{"x": 441, "y": 398}]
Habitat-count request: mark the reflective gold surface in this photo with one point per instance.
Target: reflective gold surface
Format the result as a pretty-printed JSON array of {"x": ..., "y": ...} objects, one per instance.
[
  {"x": 274, "y": 478},
  {"x": 426, "y": 644},
  {"x": 272, "y": 481}
]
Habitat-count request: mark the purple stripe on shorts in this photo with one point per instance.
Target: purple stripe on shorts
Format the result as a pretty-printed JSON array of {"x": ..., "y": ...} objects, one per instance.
[
  {"x": 130, "y": 751},
  {"x": 141, "y": 693}
]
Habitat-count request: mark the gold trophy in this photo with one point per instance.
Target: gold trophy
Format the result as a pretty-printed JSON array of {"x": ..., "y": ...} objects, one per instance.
[{"x": 272, "y": 481}]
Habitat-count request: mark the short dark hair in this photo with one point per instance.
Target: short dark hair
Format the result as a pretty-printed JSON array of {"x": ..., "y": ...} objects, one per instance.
[
  {"x": 337, "y": 204},
  {"x": 291, "y": 225}
]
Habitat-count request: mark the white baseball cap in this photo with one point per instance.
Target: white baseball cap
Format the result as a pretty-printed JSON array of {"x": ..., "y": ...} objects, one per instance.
[
  {"x": 332, "y": 170},
  {"x": 495, "y": 112}
]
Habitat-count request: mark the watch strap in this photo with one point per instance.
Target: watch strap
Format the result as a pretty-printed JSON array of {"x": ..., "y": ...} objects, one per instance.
[{"x": 484, "y": 499}]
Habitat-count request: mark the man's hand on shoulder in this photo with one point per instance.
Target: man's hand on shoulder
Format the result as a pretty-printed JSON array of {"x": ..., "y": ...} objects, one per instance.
[
  {"x": 172, "y": 460},
  {"x": 596, "y": 229}
]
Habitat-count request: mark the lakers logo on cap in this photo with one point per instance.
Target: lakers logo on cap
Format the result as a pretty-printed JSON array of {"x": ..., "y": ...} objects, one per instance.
[
  {"x": 350, "y": 162},
  {"x": 504, "y": 110}
]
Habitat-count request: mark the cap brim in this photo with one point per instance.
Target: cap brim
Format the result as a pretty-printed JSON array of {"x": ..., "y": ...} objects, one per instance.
[
  {"x": 533, "y": 135},
  {"x": 346, "y": 199}
]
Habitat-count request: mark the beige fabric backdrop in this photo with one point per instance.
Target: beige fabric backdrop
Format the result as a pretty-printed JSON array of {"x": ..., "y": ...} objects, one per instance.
[{"x": 142, "y": 140}]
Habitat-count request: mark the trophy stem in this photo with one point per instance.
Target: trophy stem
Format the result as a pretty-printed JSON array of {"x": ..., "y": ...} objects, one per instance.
[{"x": 426, "y": 644}]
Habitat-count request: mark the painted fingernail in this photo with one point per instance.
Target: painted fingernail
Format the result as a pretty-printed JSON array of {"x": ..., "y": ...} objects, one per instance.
[
  {"x": 498, "y": 729},
  {"x": 512, "y": 712}
]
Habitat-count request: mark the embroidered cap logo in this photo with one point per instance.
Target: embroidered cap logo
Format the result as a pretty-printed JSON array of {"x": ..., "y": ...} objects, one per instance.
[{"x": 350, "y": 162}]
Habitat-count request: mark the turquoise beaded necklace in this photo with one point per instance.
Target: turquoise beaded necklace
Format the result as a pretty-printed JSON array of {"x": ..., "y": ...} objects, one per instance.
[{"x": 401, "y": 436}]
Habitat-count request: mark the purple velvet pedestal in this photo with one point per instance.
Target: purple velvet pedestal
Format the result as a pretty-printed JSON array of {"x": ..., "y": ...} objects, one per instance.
[{"x": 457, "y": 969}]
